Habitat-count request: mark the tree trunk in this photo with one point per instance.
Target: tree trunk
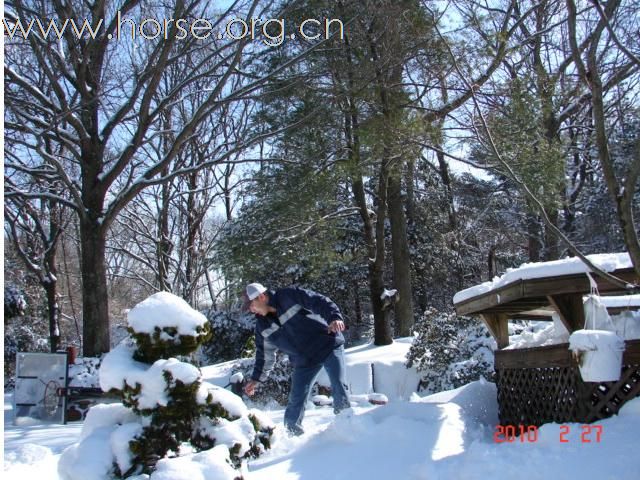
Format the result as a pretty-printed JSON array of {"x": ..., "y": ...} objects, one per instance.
[
  {"x": 492, "y": 264},
  {"x": 383, "y": 334},
  {"x": 551, "y": 245},
  {"x": 390, "y": 191},
  {"x": 382, "y": 328},
  {"x": 163, "y": 244},
  {"x": 373, "y": 233},
  {"x": 357, "y": 308},
  {"x": 533, "y": 237},
  {"x": 95, "y": 304},
  {"x": 401, "y": 257},
  {"x": 188, "y": 290},
  {"x": 50, "y": 280},
  {"x": 443, "y": 169},
  {"x": 410, "y": 200},
  {"x": 51, "y": 290}
]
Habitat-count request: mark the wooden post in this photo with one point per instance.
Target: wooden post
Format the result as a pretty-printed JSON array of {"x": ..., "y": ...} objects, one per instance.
[
  {"x": 570, "y": 309},
  {"x": 497, "y": 325}
]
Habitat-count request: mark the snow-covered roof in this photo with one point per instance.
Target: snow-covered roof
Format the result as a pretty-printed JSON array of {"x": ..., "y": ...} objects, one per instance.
[
  {"x": 621, "y": 301},
  {"x": 567, "y": 266}
]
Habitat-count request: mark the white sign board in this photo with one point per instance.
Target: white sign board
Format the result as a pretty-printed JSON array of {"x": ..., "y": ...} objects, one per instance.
[{"x": 41, "y": 379}]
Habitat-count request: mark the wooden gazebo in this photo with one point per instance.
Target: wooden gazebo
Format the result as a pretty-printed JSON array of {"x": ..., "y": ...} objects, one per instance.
[{"x": 543, "y": 384}]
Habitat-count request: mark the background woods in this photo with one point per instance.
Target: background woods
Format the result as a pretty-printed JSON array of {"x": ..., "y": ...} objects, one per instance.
[{"x": 392, "y": 154}]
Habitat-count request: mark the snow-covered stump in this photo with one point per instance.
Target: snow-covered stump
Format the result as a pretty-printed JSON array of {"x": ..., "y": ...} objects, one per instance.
[{"x": 167, "y": 410}]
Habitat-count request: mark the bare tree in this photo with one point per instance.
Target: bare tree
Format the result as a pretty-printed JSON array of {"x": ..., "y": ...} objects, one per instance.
[
  {"x": 594, "y": 67},
  {"x": 505, "y": 163},
  {"x": 34, "y": 226},
  {"x": 544, "y": 53},
  {"x": 170, "y": 229},
  {"x": 97, "y": 96}
]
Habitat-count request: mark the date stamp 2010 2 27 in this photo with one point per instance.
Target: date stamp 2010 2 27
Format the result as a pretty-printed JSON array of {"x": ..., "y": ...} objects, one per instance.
[{"x": 529, "y": 433}]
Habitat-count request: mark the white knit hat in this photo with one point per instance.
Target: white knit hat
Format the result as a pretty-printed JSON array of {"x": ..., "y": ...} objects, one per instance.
[{"x": 254, "y": 289}]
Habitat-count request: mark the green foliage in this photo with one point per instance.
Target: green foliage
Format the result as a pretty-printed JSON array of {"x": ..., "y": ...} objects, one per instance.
[
  {"x": 130, "y": 395},
  {"x": 268, "y": 233},
  {"x": 212, "y": 413},
  {"x": 14, "y": 302},
  {"x": 450, "y": 351},
  {"x": 215, "y": 409},
  {"x": 165, "y": 342},
  {"x": 149, "y": 447},
  {"x": 233, "y": 336},
  {"x": 535, "y": 153},
  {"x": 213, "y": 416},
  {"x": 277, "y": 386},
  {"x": 249, "y": 349},
  {"x": 265, "y": 432},
  {"x": 168, "y": 426},
  {"x": 183, "y": 416}
]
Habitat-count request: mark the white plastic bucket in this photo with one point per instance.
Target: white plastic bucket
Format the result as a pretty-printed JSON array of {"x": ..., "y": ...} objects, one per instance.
[{"x": 600, "y": 352}]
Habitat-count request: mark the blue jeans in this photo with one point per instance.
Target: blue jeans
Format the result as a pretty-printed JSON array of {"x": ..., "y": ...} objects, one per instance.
[{"x": 302, "y": 380}]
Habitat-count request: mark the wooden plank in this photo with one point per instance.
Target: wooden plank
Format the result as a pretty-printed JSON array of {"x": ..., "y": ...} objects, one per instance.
[
  {"x": 532, "y": 291},
  {"x": 537, "y": 287},
  {"x": 498, "y": 326},
  {"x": 631, "y": 355},
  {"x": 575, "y": 283},
  {"x": 536, "y": 357},
  {"x": 519, "y": 306},
  {"x": 502, "y": 295},
  {"x": 570, "y": 309},
  {"x": 543, "y": 314},
  {"x": 530, "y": 316},
  {"x": 628, "y": 275},
  {"x": 554, "y": 356},
  {"x": 539, "y": 312}
]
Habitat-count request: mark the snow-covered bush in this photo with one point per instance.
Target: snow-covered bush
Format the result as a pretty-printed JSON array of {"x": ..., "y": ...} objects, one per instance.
[
  {"x": 24, "y": 330},
  {"x": 14, "y": 302},
  {"x": 166, "y": 408},
  {"x": 21, "y": 338},
  {"x": 20, "y": 334},
  {"x": 232, "y": 336},
  {"x": 84, "y": 372},
  {"x": 277, "y": 386},
  {"x": 450, "y": 351},
  {"x": 163, "y": 328}
]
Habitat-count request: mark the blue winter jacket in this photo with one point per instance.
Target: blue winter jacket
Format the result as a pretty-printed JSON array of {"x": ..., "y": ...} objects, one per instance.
[{"x": 299, "y": 328}]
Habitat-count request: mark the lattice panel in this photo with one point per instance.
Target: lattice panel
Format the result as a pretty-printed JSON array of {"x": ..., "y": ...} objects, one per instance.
[
  {"x": 607, "y": 398},
  {"x": 534, "y": 396}
]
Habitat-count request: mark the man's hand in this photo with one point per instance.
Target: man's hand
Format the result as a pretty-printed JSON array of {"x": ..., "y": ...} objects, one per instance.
[
  {"x": 250, "y": 387},
  {"x": 336, "y": 326}
]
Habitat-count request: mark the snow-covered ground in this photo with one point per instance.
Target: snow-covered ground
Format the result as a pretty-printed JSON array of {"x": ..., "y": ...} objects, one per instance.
[{"x": 449, "y": 435}]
